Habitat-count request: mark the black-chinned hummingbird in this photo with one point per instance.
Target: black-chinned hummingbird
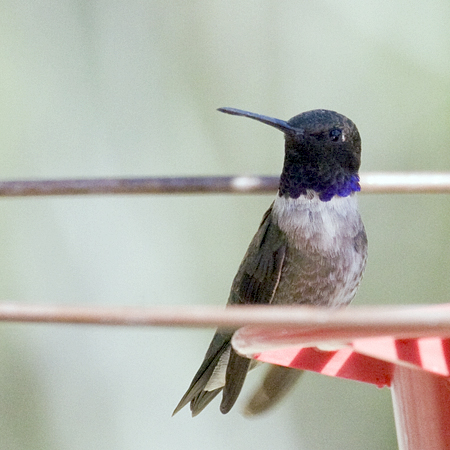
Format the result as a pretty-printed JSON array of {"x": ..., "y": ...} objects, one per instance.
[{"x": 310, "y": 249}]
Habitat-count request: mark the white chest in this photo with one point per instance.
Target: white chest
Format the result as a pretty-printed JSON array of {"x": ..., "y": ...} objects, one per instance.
[{"x": 321, "y": 224}]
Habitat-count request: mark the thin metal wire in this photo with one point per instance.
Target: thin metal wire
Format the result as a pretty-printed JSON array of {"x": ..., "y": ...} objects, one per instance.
[
  {"x": 365, "y": 320},
  {"x": 314, "y": 323},
  {"x": 377, "y": 183}
]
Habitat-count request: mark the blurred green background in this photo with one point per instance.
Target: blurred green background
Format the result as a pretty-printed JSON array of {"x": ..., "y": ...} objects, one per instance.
[{"x": 130, "y": 88}]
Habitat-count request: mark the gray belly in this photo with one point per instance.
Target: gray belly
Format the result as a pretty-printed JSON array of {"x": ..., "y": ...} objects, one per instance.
[{"x": 312, "y": 278}]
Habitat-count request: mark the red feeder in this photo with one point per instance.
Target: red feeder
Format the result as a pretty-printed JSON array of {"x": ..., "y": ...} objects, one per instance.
[{"x": 417, "y": 371}]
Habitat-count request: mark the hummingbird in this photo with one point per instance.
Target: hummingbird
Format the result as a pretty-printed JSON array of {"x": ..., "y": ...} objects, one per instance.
[{"x": 310, "y": 249}]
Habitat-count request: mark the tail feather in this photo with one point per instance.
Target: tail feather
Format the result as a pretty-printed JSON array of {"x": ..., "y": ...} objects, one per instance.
[
  {"x": 201, "y": 401},
  {"x": 196, "y": 393},
  {"x": 277, "y": 382},
  {"x": 237, "y": 369}
]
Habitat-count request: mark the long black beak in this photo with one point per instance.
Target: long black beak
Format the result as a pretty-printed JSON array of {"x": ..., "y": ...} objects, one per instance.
[{"x": 277, "y": 123}]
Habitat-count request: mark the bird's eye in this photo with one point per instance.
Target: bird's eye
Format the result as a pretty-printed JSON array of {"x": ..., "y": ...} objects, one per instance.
[{"x": 335, "y": 134}]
